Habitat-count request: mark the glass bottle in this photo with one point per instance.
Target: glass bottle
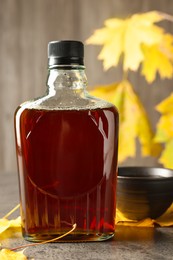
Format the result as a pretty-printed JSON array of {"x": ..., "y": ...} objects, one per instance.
[{"x": 66, "y": 144}]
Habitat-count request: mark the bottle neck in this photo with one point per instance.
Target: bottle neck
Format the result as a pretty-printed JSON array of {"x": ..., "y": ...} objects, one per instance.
[{"x": 66, "y": 78}]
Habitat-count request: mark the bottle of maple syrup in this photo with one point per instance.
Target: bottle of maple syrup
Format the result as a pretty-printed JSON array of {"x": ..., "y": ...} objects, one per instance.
[{"x": 66, "y": 143}]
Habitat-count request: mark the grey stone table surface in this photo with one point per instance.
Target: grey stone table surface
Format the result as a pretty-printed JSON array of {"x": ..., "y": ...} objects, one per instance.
[{"x": 128, "y": 243}]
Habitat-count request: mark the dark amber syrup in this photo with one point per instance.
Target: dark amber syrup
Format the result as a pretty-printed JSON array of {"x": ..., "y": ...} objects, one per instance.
[{"x": 67, "y": 161}]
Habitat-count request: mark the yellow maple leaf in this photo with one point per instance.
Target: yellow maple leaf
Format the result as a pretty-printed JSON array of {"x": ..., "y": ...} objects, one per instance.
[
  {"x": 158, "y": 58},
  {"x": 164, "y": 128},
  {"x": 164, "y": 132},
  {"x": 5, "y": 224},
  {"x": 166, "y": 156},
  {"x": 125, "y": 36},
  {"x": 165, "y": 220},
  {"x": 7, "y": 254},
  {"x": 133, "y": 119},
  {"x": 9, "y": 227},
  {"x": 166, "y": 106},
  {"x": 123, "y": 221}
]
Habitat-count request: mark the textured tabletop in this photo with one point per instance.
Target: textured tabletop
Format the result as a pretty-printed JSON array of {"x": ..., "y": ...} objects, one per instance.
[{"x": 128, "y": 243}]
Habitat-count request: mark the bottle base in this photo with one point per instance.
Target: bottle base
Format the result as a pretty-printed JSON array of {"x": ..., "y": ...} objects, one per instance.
[{"x": 69, "y": 238}]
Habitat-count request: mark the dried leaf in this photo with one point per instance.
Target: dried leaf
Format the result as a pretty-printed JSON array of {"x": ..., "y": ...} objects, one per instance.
[
  {"x": 6, "y": 254},
  {"x": 133, "y": 119},
  {"x": 126, "y": 36},
  {"x": 164, "y": 133}
]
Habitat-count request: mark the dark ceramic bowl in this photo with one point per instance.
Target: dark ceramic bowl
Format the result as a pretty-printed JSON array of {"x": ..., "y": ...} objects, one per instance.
[{"x": 144, "y": 192}]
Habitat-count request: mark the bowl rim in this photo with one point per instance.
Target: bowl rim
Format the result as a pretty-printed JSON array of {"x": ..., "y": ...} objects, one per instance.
[{"x": 146, "y": 178}]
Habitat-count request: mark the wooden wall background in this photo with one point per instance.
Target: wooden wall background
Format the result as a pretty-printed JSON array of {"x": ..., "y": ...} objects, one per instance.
[{"x": 26, "y": 26}]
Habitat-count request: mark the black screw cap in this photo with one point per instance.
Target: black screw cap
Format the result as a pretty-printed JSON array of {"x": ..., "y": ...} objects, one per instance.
[{"x": 65, "y": 53}]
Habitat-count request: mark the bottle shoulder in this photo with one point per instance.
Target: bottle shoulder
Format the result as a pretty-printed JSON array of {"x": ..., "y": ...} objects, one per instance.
[{"x": 72, "y": 102}]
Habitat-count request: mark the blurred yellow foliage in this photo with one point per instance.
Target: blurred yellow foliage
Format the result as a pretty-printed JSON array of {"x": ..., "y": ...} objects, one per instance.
[
  {"x": 138, "y": 44},
  {"x": 164, "y": 133},
  {"x": 133, "y": 119},
  {"x": 139, "y": 40},
  {"x": 158, "y": 58}
]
